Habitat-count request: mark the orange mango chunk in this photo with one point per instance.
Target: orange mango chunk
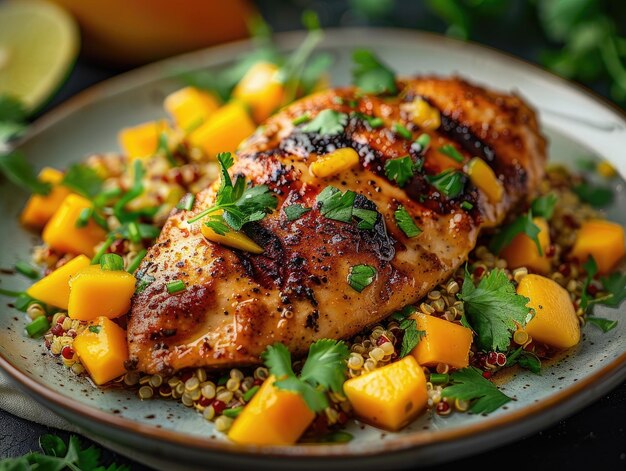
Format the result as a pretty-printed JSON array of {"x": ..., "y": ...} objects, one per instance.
[
  {"x": 601, "y": 239},
  {"x": 484, "y": 178},
  {"x": 190, "y": 107},
  {"x": 523, "y": 252},
  {"x": 40, "y": 208},
  {"x": 141, "y": 140},
  {"x": 555, "y": 322},
  {"x": 234, "y": 239},
  {"x": 96, "y": 292},
  {"x": 260, "y": 90},
  {"x": 62, "y": 234},
  {"x": 54, "y": 289},
  {"x": 102, "y": 350},
  {"x": 273, "y": 417},
  {"x": 389, "y": 397},
  {"x": 334, "y": 162},
  {"x": 444, "y": 342},
  {"x": 224, "y": 130}
]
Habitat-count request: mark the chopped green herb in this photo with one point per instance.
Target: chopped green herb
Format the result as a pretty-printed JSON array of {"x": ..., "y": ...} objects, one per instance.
[
  {"x": 303, "y": 118},
  {"x": 449, "y": 182},
  {"x": 111, "y": 262},
  {"x": 249, "y": 394},
  {"x": 588, "y": 165},
  {"x": 400, "y": 170},
  {"x": 439, "y": 378},
  {"x": 38, "y": 327},
  {"x": 177, "y": 286},
  {"x": 12, "y": 109},
  {"x": 139, "y": 231},
  {"x": 323, "y": 370},
  {"x": 596, "y": 196},
  {"x": 604, "y": 324},
  {"x": 295, "y": 211},
  {"x": 27, "y": 270},
  {"x": 337, "y": 436},
  {"x": 15, "y": 167},
  {"x": 186, "y": 203},
  {"x": 522, "y": 225},
  {"x": 143, "y": 282},
  {"x": 102, "y": 250},
  {"x": 10, "y": 130},
  {"x": 466, "y": 205},
  {"x": 105, "y": 196},
  {"x": 135, "y": 191},
  {"x": 163, "y": 148},
  {"x": 591, "y": 268},
  {"x": 543, "y": 206},
  {"x": 327, "y": 122},
  {"x": 95, "y": 329},
  {"x": 525, "y": 359},
  {"x": 23, "y": 301},
  {"x": 451, "y": 152},
  {"x": 136, "y": 261},
  {"x": 615, "y": 285},
  {"x": 423, "y": 141},
  {"x": 336, "y": 205},
  {"x": 134, "y": 234},
  {"x": 84, "y": 180},
  {"x": 411, "y": 336},
  {"x": 366, "y": 218},
  {"x": 361, "y": 276},
  {"x": 406, "y": 223},
  {"x": 493, "y": 309},
  {"x": 233, "y": 412},
  {"x": 84, "y": 217},
  {"x": 10, "y": 293},
  {"x": 468, "y": 384},
  {"x": 404, "y": 313},
  {"x": 371, "y": 75},
  {"x": 402, "y": 130}
]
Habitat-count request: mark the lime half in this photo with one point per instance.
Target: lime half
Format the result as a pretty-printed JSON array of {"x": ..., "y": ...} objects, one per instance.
[{"x": 38, "y": 44}]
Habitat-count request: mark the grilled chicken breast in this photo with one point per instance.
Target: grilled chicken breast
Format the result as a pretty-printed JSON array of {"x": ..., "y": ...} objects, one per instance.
[{"x": 296, "y": 291}]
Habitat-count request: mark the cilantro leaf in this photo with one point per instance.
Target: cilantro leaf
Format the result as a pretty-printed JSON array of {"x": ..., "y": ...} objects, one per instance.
[
  {"x": 468, "y": 384},
  {"x": 493, "y": 309},
  {"x": 525, "y": 359},
  {"x": 278, "y": 359},
  {"x": 591, "y": 268},
  {"x": 615, "y": 284},
  {"x": 295, "y": 211},
  {"x": 15, "y": 167},
  {"x": 404, "y": 313},
  {"x": 315, "y": 400},
  {"x": 595, "y": 195},
  {"x": 335, "y": 205},
  {"x": 327, "y": 122},
  {"x": 406, "y": 223},
  {"x": 400, "y": 170},
  {"x": 11, "y": 109},
  {"x": 361, "y": 276},
  {"x": 411, "y": 336},
  {"x": 543, "y": 206},
  {"x": 367, "y": 218},
  {"x": 450, "y": 182},
  {"x": 371, "y": 75},
  {"x": 603, "y": 324},
  {"x": 326, "y": 364},
  {"x": 522, "y": 225},
  {"x": 451, "y": 151},
  {"x": 83, "y": 180}
]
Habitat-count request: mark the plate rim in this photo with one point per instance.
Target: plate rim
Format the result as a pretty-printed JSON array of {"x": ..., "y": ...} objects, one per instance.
[{"x": 569, "y": 396}]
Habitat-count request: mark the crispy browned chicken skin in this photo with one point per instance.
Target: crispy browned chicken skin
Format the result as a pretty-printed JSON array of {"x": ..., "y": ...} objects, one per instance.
[{"x": 237, "y": 303}]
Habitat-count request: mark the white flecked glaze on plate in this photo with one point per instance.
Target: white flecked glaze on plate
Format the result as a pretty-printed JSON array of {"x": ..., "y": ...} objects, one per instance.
[{"x": 578, "y": 125}]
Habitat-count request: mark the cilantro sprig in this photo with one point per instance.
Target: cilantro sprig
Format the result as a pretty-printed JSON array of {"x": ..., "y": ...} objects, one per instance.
[
  {"x": 13, "y": 116},
  {"x": 327, "y": 122},
  {"x": 411, "y": 335},
  {"x": 401, "y": 170},
  {"x": 450, "y": 182},
  {"x": 522, "y": 225},
  {"x": 15, "y": 167},
  {"x": 493, "y": 309},
  {"x": 235, "y": 205},
  {"x": 468, "y": 384},
  {"x": 341, "y": 207},
  {"x": 370, "y": 75},
  {"x": 323, "y": 371},
  {"x": 525, "y": 359}
]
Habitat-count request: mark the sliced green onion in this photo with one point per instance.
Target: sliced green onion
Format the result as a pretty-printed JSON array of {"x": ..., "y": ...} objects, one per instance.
[
  {"x": 102, "y": 198},
  {"x": 176, "y": 286},
  {"x": 38, "y": 327},
  {"x": 111, "y": 262},
  {"x": 133, "y": 232},
  {"x": 249, "y": 394},
  {"x": 304, "y": 118},
  {"x": 437, "y": 378},
  {"x": 232, "y": 413},
  {"x": 423, "y": 140},
  {"x": 466, "y": 205},
  {"x": 451, "y": 152},
  {"x": 401, "y": 130},
  {"x": 375, "y": 122},
  {"x": 134, "y": 263},
  {"x": 95, "y": 329},
  {"x": 186, "y": 202},
  {"x": 10, "y": 293},
  {"x": 223, "y": 380},
  {"x": 22, "y": 301},
  {"x": 27, "y": 270},
  {"x": 102, "y": 250},
  {"x": 83, "y": 217}
]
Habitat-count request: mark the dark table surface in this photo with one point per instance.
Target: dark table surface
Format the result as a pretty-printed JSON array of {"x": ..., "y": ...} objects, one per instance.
[{"x": 593, "y": 437}]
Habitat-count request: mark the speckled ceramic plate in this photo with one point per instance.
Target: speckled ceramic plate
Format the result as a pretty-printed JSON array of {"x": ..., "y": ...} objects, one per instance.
[{"x": 578, "y": 125}]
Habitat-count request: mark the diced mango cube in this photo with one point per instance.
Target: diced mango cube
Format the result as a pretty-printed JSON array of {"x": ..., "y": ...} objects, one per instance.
[
  {"x": 421, "y": 113},
  {"x": 102, "y": 350},
  {"x": 40, "y": 208},
  {"x": 62, "y": 234},
  {"x": 190, "y": 107},
  {"x": 261, "y": 90},
  {"x": 334, "y": 162},
  {"x": 54, "y": 289},
  {"x": 224, "y": 130},
  {"x": 444, "y": 342},
  {"x": 603, "y": 240},
  {"x": 234, "y": 239},
  {"x": 555, "y": 322},
  {"x": 484, "y": 178},
  {"x": 141, "y": 140},
  {"x": 523, "y": 252},
  {"x": 389, "y": 397},
  {"x": 96, "y": 292},
  {"x": 273, "y": 417}
]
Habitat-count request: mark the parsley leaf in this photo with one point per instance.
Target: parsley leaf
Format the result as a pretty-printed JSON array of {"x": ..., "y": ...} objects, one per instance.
[
  {"x": 604, "y": 324},
  {"x": 543, "y": 206},
  {"x": 400, "y": 170},
  {"x": 406, "y": 223},
  {"x": 468, "y": 384},
  {"x": 522, "y": 225},
  {"x": 411, "y": 336},
  {"x": 83, "y": 180},
  {"x": 615, "y": 284},
  {"x": 449, "y": 182},
  {"x": 327, "y": 123},
  {"x": 371, "y": 75},
  {"x": 361, "y": 276},
  {"x": 525, "y": 359},
  {"x": 323, "y": 369},
  {"x": 15, "y": 167},
  {"x": 493, "y": 309},
  {"x": 595, "y": 195},
  {"x": 451, "y": 152},
  {"x": 295, "y": 211}
]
